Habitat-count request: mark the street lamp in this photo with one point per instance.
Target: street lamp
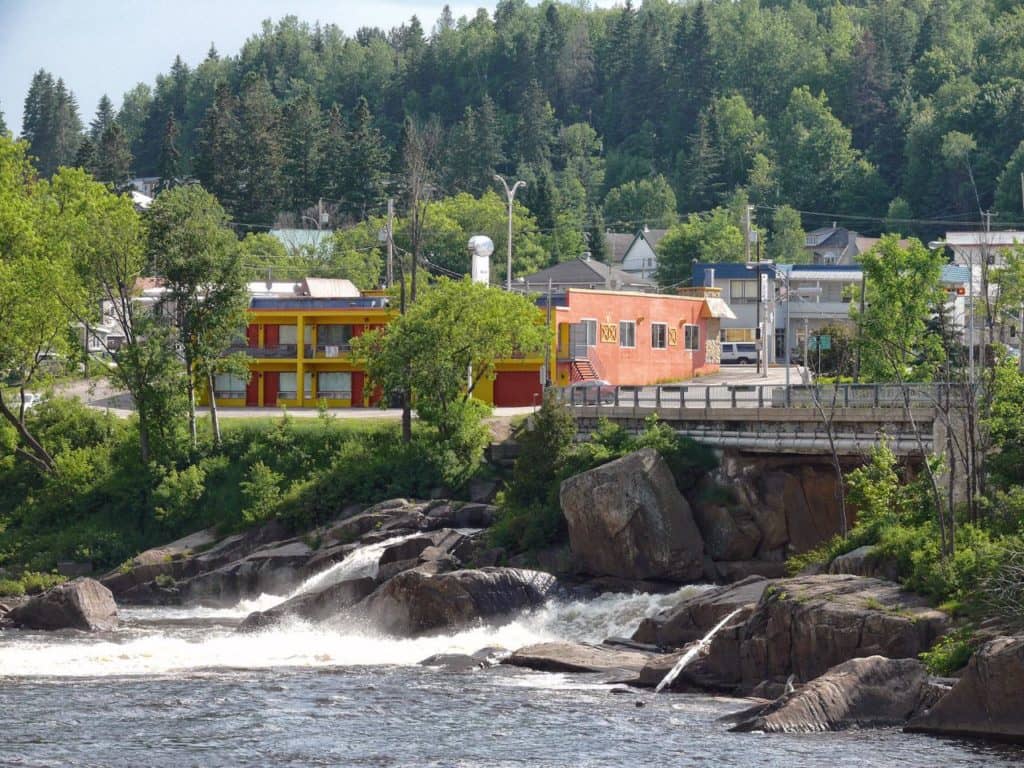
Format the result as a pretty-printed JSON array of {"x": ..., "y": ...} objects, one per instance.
[{"x": 510, "y": 193}]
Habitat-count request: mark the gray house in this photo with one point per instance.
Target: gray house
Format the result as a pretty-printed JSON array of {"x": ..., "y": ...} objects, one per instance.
[{"x": 582, "y": 272}]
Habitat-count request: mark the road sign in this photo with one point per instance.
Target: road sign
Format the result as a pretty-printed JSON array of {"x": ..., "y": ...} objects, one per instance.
[{"x": 821, "y": 343}]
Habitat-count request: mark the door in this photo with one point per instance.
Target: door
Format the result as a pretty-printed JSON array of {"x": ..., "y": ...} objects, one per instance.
[
  {"x": 271, "y": 386},
  {"x": 578, "y": 348},
  {"x": 517, "y": 388},
  {"x": 252, "y": 335},
  {"x": 252, "y": 390}
]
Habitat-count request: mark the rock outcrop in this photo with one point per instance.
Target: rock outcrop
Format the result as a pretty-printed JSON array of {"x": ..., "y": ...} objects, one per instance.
[
  {"x": 865, "y": 561},
  {"x": 986, "y": 700},
  {"x": 579, "y": 657},
  {"x": 414, "y": 603},
  {"x": 315, "y": 606},
  {"x": 80, "y": 604},
  {"x": 627, "y": 519},
  {"x": 806, "y": 625},
  {"x": 863, "y": 692}
]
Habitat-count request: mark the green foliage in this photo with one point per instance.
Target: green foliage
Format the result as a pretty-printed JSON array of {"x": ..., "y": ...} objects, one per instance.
[
  {"x": 951, "y": 653},
  {"x": 636, "y": 204},
  {"x": 711, "y": 238},
  {"x": 261, "y": 492},
  {"x": 177, "y": 493}
]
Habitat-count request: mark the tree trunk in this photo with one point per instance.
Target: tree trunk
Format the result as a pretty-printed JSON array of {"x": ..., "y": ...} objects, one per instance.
[
  {"x": 214, "y": 417},
  {"x": 190, "y": 385},
  {"x": 35, "y": 452}
]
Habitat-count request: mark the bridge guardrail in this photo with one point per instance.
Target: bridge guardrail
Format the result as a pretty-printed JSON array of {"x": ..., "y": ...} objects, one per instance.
[{"x": 709, "y": 396}]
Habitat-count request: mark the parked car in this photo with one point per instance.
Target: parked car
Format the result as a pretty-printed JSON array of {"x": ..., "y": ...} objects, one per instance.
[
  {"x": 591, "y": 392},
  {"x": 32, "y": 399},
  {"x": 739, "y": 352}
]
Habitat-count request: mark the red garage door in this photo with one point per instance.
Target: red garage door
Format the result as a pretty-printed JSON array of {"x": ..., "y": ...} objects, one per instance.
[{"x": 517, "y": 388}]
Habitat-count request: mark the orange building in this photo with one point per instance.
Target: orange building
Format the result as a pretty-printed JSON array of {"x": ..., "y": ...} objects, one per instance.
[{"x": 631, "y": 338}]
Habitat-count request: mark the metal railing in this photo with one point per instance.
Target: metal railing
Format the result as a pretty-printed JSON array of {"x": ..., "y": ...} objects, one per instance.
[
  {"x": 278, "y": 351},
  {"x": 677, "y": 396},
  {"x": 327, "y": 350}
]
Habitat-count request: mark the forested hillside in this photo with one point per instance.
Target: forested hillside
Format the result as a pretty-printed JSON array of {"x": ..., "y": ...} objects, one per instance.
[{"x": 882, "y": 114}]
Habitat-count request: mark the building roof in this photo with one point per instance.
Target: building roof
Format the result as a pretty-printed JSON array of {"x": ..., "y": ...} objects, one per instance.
[
  {"x": 829, "y": 237},
  {"x": 327, "y": 288},
  {"x": 581, "y": 273},
  {"x": 726, "y": 270},
  {"x": 715, "y": 306},
  {"x": 1003, "y": 238},
  {"x": 618, "y": 243},
  {"x": 307, "y": 303},
  {"x": 263, "y": 288},
  {"x": 140, "y": 200},
  {"x": 652, "y": 236}
]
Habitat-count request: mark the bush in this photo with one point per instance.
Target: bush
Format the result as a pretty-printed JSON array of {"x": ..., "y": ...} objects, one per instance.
[
  {"x": 11, "y": 588},
  {"x": 261, "y": 492},
  {"x": 951, "y": 653}
]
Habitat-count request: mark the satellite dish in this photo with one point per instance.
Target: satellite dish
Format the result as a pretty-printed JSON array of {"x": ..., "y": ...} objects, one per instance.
[{"x": 481, "y": 245}]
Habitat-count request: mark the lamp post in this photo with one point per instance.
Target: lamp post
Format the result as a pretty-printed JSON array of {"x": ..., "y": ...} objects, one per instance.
[{"x": 510, "y": 194}]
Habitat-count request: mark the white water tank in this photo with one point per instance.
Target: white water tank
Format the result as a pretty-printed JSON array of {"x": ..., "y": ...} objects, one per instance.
[{"x": 480, "y": 249}]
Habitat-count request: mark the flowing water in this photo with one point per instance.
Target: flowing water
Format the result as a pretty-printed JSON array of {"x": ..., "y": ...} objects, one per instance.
[{"x": 179, "y": 687}]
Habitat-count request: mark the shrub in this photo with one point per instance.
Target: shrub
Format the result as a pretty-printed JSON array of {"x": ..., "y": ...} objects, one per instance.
[
  {"x": 11, "y": 588},
  {"x": 34, "y": 583},
  {"x": 951, "y": 653},
  {"x": 261, "y": 493}
]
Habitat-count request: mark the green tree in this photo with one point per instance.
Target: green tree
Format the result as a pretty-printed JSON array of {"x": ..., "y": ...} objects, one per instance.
[
  {"x": 355, "y": 254},
  {"x": 105, "y": 116},
  {"x": 903, "y": 291},
  {"x": 634, "y": 204},
  {"x": 365, "y": 162},
  {"x": 787, "y": 236},
  {"x": 169, "y": 165},
  {"x": 259, "y": 152},
  {"x": 710, "y": 238},
  {"x": 216, "y": 162},
  {"x": 444, "y": 345},
  {"x": 3, "y": 126},
  {"x": 303, "y": 149},
  {"x": 113, "y": 158},
  {"x": 197, "y": 255},
  {"x": 816, "y": 152}
]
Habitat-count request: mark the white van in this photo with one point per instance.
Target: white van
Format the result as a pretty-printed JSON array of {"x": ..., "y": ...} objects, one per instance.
[{"x": 739, "y": 352}]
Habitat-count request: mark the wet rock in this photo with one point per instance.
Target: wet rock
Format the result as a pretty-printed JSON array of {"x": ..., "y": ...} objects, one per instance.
[
  {"x": 456, "y": 514},
  {"x": 319, "y": 605},
  {"x": 986, "y": 700},
  {"x": 738, "y": 570},
  {"x": 808, "y": 624},
  {"x": 579, "y": 657},
  {"x": 80, "y": 604},
  {"x": 274, "y": 569},
  {"x": 730, "y": 533},
  {"x": 863, "y": 692},
  {"x": 167, "y": 560},
  {"x": 627, "y": 519},
  {"x": 413, "y": 603},
  {"x": 694, "y": 616}
]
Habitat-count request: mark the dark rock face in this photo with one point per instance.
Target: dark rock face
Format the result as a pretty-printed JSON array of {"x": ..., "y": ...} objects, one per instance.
[
  {"x": 627, "y": 519},
  {"x": 987, "y": 699},
  {"x": 872, "y": 691},
  {"x": 865, "y": 561},
  {"x": 414, "y": 603},
  {"x": 314, "y": 606},
  {"x": 273, "y": 569},
  {"x": 693, "y": 617},
  {"x": 579, "y": 657},
  {"x": 80, "y": 604},
  {"x": 806, "y": 625},
  {"x": 730, "y": 533}
]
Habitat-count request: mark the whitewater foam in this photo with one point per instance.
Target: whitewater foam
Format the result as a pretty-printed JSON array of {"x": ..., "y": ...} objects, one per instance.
[{"x": 162, "y": 649}]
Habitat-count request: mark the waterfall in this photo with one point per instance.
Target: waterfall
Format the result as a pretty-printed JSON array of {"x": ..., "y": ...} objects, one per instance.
[{"x": 691, "y": 654}]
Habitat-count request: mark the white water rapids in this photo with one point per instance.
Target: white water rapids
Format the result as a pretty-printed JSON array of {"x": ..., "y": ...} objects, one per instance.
[{"x": 176, "y": 640}]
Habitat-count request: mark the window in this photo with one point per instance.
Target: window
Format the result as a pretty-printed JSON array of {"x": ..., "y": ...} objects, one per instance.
[
  {"x": 287, "y": 386},
  {"x": 743, "y": 291},
  {"x": 287, "y": 334},
  {"x": 334, "y": 385},
  {"x": 228, "y": 386},
  {"x": 334, "y": 336},
  {"x": 627, "y": 333},
  {"x": 590, "y": 329},
  {"x": 659, "y": 336},
  {"x": 691, "y": 337}
]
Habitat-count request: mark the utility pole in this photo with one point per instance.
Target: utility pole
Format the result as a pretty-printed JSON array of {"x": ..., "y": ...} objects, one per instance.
[
  {"x": 391, "y": 242},
  {"x": 510, "y": 194}
]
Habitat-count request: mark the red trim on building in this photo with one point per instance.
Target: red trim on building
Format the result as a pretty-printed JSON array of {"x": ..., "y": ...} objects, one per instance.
[
  {"x": 271, "y": 336},
  {"x": 271, "y": 386},
  {"x": 357, "y": 388},
  {"x": 252, "y": 389},
  {"x": 252, "y": 335}
]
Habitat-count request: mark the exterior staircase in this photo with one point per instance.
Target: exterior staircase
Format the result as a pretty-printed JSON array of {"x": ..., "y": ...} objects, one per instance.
[{"x": 582, "y": 370}]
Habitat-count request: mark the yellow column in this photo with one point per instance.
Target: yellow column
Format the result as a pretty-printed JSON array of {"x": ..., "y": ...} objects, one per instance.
[{"x": 300, "y": 353}]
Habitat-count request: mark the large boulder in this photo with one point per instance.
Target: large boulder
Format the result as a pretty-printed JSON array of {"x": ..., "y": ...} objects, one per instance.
[
  {"x": 274, "y": 569},
  {"x": 808, "y": 624},
  {"x": 628, "y": 519},
  {"x": 167, "y": 560},
  {"x": 729, "y": 530},
  {"x": 414, "y": 603},
  {"x": 986, "y": 700},
  {"x": 80, "y": 604},
  {"x": 872, "y": 691}
]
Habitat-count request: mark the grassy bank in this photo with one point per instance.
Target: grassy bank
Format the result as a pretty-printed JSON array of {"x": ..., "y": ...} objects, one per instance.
[{"x": 103, "y": 506}]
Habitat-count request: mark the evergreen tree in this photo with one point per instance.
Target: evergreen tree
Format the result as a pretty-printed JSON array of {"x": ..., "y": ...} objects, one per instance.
[
  {"x": 303, "y": 148},
  {"x": 216, "y": 163},
  {"x": 85, "y": 157},
  {"x": 700, "y": 169},
  {"x": 104, "y": 119},
  {"x": 596, "y": 237},
  {"x": 113, "y": 158},
  {"x": 67, "y": 125},
  {"x": 3, "y": 125},
  {"x": 259, "y": 153},
  {"x": 365, "y": 162},
  {"x": 169, "y": 165},
  {"x": 335, "y": 149},
  {"x": 535, "y": 131}
]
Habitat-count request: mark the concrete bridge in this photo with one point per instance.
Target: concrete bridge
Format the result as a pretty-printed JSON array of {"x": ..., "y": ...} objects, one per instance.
[{"x": 775, "y": 419}]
